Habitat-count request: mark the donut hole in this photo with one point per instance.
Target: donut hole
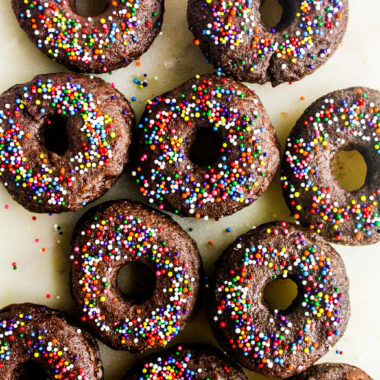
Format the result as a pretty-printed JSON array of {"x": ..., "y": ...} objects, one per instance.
[
  {"x": 349, "y": 169},
  {"x": 271, "y": 12},
  {"x": 136, "y": 281},
  {"x": 90, "y": 8},
  {"x": 54, "y": 135},
  {"x": 32, "y": 370},
  {"x": 277, "y": 15},
  {"x": 281, "y": 294},
  {"x": 205, "y": 148}
]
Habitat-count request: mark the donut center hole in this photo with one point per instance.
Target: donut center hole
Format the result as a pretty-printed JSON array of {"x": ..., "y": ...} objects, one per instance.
[
  {"x": 271, "y": 12},
  {"x": 54, "y": 135},
  {"x": 31, "y": 370},
  {"x": 280, "y": 294},
  {"x": 206, "y": 146},
  {"x": 349, "y": 169},
  {"x": 136, "y": 281},
  {"x": 90, "y": 8}
]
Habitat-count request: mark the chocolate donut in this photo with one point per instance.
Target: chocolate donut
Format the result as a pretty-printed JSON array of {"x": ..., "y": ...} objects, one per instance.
[
  {"x": 186, "y": 362},
  {"x": 279, "y": 343},
  {"x": 113, "y": 39},
  {"x": 332, "y": 371},
  {"x": 233, "y": 37},
  {"x": 117, "y": 233},
  {"x": 63, "y": 141},
  {"x": 341, "y": 120},
  {"x": 247, "y": 150},
  {"x": 34, "y": 333}
]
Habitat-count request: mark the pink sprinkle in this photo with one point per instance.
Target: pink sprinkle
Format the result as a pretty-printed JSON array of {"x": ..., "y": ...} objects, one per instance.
[{"x": 6, "y": 207}]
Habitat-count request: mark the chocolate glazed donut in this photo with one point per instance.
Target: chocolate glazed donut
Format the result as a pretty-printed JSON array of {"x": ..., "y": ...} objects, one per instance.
[
  {"x": 279, "y": 343},
  {"x": 113, "y": 39},
  {"x": 195, "y": 362},
  {"x": 64, "y": 140},
  {"x": 332, "y": 371},
  {"x": 247, "y": 149},
  {"x": 342, "y": 120},
  {"x": 117, "y": 233},
  {"x": 233, "y": 37},
  {"x": 34, "y": 333}
]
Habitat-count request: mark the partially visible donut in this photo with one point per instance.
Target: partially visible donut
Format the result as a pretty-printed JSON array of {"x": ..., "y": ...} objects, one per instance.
[
  {"x": 186, "y": 362},
  {"x": 109, "y": 41},
  {"x": 233, "y": 37},
  {"x": 246, "y": 160},
  {"x": 279, "y": 343},
  {"x": 97, "y": 128},
  {"x": 34, "y": 333},
  {"x": 332, "y": 371},
  {"x": 117, "y": 233},
  {"x": 340, "y": 120}
]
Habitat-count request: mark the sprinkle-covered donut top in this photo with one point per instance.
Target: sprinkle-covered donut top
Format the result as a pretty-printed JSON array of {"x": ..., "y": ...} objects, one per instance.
[
  {"x": 67, "y": 99},
  {"x": 236, "y": 25},
  {"x": 248, "y": 154},
  {"x": 344, "y": 119},
  {"x": 233, "y": 22},
  {"x": 114, "y": 241},
  {"x": 66, "y": 36},
  {"x": 26, "y": 166},
  {"x": 187, "y": 362},
  {"x": 26, "y": 335},
  {"x": 278, "y": 343},
  {"x": 39, "y": 346}
]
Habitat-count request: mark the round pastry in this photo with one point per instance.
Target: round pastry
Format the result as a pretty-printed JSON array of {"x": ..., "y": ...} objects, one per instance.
[
  {"x": 37, "y": 334},
  {"x": 332, "y": 371},
  {"x": 113, "y": 39},
  {"x": 114, "y": 234},
  {"x": 190, "y": 362},
  {"x": 63, "y": 141},
  {"x": 233, "y": 37},
  {"x": 279, "y": 343},
  {"x": 342, "y": 120},
  {"x": 243, "y": 143}
]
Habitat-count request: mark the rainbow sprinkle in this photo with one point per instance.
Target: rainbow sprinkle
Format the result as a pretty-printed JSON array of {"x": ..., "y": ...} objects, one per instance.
[
  {"x": 182, "y": 364},
  {"x": 173, "y": 367}
]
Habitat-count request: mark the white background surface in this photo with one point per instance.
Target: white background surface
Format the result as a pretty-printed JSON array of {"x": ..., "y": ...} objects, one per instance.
[{"x": 171, "y": 60}]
